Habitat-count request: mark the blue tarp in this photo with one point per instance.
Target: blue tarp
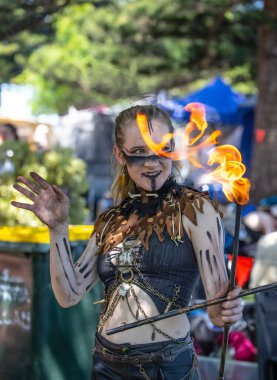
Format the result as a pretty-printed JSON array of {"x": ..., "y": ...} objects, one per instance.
[
  {"x": 223, "y": 106},
  {"x": 221, "y": 101}
]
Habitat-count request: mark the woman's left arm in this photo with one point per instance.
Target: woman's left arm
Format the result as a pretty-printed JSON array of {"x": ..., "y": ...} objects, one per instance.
[{"x": 208, "y": 242}]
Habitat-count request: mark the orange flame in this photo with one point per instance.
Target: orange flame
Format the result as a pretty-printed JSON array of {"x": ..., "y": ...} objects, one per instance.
[
  {"x": 229, "y": 173},
  {"x": 230, "y": 170}
]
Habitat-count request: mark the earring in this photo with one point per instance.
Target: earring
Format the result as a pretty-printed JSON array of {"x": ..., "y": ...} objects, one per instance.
[{"x": 123, "y": 175}]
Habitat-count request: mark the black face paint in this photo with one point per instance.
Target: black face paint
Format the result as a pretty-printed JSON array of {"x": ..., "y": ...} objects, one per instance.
[
  {"x": 153, "y": 183},
  {"x": 140, "y": 160},
  {"x": 152, "y": 179}
]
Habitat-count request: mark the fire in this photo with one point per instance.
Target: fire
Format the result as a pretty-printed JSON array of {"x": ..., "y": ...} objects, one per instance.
[
  {"x": 230, "y": 173},
  {"x": 230, "y": 169},
  {"x": 197, "y": 122}
]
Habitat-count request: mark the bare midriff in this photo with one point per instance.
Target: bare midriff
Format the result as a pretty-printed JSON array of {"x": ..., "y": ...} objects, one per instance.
[{"x": 177, "y": 326}]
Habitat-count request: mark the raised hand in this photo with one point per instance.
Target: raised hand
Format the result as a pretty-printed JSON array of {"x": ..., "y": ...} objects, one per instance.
[{"x": 50, "y": 204}]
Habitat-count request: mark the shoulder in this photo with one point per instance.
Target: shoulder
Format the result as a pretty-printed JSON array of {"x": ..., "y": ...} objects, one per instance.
[
  {"x": 103, "y": 219},
  {"x": 195, "y": 202}
]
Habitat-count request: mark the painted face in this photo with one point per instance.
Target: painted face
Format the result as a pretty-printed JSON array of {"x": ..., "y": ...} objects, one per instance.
[{"x": 146, "y": 169}]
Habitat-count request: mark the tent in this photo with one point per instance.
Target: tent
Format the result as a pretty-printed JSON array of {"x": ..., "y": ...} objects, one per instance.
[
  {"x": 224, "y": 107},
  {"x": 221, "y": 101}
]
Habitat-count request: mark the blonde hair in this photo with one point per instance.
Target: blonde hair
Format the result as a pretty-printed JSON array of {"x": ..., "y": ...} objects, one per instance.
[{"x": 123, "y": 184}]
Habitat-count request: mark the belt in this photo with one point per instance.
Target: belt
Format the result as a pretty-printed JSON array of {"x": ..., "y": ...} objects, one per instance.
[{"x": 135, "y": 354}]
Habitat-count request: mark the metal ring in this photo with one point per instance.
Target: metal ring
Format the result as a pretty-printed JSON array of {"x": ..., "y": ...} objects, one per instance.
[{"x": 130, "y": 279}]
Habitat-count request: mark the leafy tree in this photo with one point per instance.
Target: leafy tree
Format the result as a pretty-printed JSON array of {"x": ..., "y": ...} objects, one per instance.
[
  {"x": 25, "y": 25},
  {"x": 58, "y": 166},
  {"x": 129, "y": 48}
]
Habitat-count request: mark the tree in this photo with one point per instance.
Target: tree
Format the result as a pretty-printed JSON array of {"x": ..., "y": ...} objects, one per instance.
[
  {"x": 264, "y": 173},
  {"x": 25, "y": 26},
  {"x": 129, "y": 48},
  {"x": 58, "y": 166}
]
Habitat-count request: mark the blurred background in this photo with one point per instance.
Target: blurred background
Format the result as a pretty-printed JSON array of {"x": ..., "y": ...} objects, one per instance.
[{"x": 67, "y": 68}]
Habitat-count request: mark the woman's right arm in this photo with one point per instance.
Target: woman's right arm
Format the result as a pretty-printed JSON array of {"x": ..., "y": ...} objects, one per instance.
[{"x": 70, "y": 281}]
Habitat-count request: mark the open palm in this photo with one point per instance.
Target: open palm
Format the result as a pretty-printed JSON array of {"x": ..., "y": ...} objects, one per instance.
[{"x": 50, "y": 204}]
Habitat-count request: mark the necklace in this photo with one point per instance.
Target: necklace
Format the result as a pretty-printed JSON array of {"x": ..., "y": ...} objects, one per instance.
[{"x": 162, "y": 213}]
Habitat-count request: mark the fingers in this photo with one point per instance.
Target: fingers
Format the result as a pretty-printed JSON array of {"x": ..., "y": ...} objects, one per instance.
[
  {"x": 223, "y": 290},
  {"x": 25, "y": 191},
  {"x": 235, "y": 310},
  {"x": 33, "y": 186},
  {"x": 36, "y": 187},
  {"x": 232, "y": 310},
  {"x": 25, "y": 206},
  {"x": 59, "y": 192},
  {"x": 232, "y": 303},
  {"x": 234, "y": 292},
  {"x": 44, "y": 184}
]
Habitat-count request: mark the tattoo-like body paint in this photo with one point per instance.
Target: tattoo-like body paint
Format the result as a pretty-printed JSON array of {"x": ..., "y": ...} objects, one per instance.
[
  {"x": 201, "y": 258},
  {"x": 209, "y": 236},
  {"x": 218, "y": 226},
  {"x": 68, "y": 253},
  {"x": 86, "y": 275},
  {"x": 66, "y": 275},
  {"x": 209, "y": 260},
  {"x": 216, "y": 266},
  {"x": 81, "y": 270}
]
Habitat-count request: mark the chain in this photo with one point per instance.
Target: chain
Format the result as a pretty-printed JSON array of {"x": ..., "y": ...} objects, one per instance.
[
  {"x": 151, "y": 324},
  {"x": 109, "y": 311},
  {"x": 146, "y": 286}
]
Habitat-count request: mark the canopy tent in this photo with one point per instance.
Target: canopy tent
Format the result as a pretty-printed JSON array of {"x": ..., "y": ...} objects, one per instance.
[
  {"x": 224, "y": 107},
  {"x": 227, "y": 110},
  {"x": 221, "y": 101}
]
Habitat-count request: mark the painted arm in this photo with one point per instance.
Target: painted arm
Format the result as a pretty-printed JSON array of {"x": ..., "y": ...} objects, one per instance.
[
  {"x": 208, "y": 242},
  {"x": 70, "y": 281}
]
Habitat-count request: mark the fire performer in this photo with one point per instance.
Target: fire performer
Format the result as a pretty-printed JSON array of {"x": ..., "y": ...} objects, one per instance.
[{"x": 148, "y": 251}]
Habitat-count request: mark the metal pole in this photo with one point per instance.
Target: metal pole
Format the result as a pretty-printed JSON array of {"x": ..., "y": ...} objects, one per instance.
[
  {"x": 231, "y": 287},
  {"x": 185, "y": 310}
]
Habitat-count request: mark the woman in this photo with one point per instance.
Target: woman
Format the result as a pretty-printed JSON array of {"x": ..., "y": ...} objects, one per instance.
[{"x": 148, "y": 251}]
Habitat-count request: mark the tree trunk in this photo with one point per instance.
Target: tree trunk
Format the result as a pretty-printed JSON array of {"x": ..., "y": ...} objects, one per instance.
[{"x": 264, "y": 161}]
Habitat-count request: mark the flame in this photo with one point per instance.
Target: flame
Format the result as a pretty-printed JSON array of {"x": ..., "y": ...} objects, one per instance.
[
  {"x": 197, "y": 121},
  {"x": 230, "y": 169},
  {"x": 229, "y": 173}
]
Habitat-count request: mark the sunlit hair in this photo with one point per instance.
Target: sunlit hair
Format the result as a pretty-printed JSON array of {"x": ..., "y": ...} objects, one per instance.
[{"x": 120, "y": 189}]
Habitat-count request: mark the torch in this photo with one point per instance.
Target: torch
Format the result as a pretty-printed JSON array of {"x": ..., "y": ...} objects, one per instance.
[{"x": 236, "y": 188}]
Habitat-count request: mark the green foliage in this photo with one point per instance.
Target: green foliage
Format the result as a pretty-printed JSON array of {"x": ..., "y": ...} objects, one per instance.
[
  {"x": 25, "y": 26},
  {"x": 123, "y": 49},
  {"x": 58, "y": 166}
]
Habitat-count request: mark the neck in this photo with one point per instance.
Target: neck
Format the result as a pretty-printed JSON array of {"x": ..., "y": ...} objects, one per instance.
[
  {"x": 140, "y": 193},
  {"x": 143, "y": 202}
]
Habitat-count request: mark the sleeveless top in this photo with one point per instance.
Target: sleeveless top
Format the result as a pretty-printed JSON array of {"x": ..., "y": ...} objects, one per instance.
[
  {"x": 163, "y": 261},
  {"x": 167, "y": 267}
]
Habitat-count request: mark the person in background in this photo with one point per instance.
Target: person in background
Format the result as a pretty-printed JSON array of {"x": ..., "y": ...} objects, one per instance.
[
  {"x": 148, "y": 250},
  {"x": 7, "y": 132}
]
